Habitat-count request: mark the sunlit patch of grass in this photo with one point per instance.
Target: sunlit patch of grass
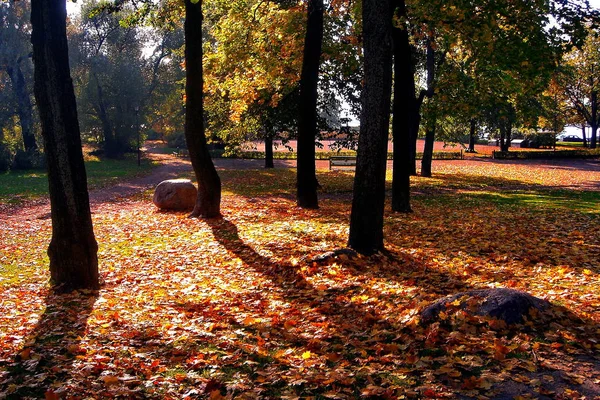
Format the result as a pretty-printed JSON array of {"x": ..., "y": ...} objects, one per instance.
[
  {"x": 19, "y": 186},
  {"x": 22, "y": 262},
  {"x": 586, "y": 202}
]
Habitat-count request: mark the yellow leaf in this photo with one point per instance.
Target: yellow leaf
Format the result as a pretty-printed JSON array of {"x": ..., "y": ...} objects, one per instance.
[
  {"x": 306, "y": 355},
  {"x": 110, "y": 380}
]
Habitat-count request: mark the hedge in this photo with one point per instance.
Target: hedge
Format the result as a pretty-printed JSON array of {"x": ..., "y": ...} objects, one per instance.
[
  {"x": 325, "y": 155},
  {"x": 534, "y": 155}
]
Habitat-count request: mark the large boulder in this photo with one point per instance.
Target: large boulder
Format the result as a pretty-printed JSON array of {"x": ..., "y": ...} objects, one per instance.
[
  {"x": 175, "y": 194},
  {"x": 509, "y": 305}
]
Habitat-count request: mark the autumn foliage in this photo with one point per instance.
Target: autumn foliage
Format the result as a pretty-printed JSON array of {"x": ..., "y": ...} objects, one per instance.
[{"x": 237, "y": 308}]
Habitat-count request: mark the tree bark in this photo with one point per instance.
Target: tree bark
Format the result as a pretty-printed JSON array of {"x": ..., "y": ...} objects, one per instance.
[
  {"x": 24, "y": 108},
  {"x": 208, "y": 202},
  {"x": 404, "y": 108},
  {"x": 503, "y": 146},
  {"x": 269, "y": 150},
  {"x": 594, "y": 124},
  {"x": 307, "y": 119},
  {"x": 430, "y": 133},
  {"x": 366, "y": 219},
  {"x": 73, "y": 248},
  {"x": 428, "y": 150},
  {"x": 472, "y": 130},
  {"x": 585, "y": 142},
  {"x": 111, "y": 149}
]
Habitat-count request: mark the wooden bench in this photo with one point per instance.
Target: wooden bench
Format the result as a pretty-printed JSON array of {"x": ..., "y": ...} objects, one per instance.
[{"x": 342, "y": 161}]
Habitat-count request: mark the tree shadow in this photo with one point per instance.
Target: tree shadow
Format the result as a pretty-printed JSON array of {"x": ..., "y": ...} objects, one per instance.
[
  {"x": 44, "y": 365},
  {"x": 355, "y": 333}
]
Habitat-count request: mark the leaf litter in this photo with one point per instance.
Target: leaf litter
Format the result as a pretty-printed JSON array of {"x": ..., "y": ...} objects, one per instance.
[{"x": 236, "y": 308}]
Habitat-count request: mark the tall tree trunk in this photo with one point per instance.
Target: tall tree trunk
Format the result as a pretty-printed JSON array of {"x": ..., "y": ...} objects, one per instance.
[
  {"x": 508, "y": 141},
  {"x": 73, "y": 248},
  {"x": 428, "y": 151},
  {"x": 269, "y": 149},
  {"x": 502, "y": 139},
  {"x": 307, "y": 119},
  {"x": 472, "y": 132},
  {"x": 208, "y": 202},
  {"x": 583, "y": 135},
  {"x": 404, "y": 110},
  {"x": 366, "y": 219},
  {"x": 111, "y": 148},
  {"x": 593, "y": 139},
  {"x": 430, "y": 132},
  {"x": 24, "y": 108}
]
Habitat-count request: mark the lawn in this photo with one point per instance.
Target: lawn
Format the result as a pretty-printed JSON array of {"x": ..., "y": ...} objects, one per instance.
[
  {"x": 19, "y": 186},
  {"x": 236, "y": 308}
]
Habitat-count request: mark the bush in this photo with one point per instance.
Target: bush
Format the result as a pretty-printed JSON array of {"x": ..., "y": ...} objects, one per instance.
[
  {"x": 177, "y": 140},
  {"x": 5, "y": 158},
  {"x": 539, "y": 140},
  {"x": 524, "y": 155},
  {"x": 29, "y": 160},
  {"x": 154, "y": 135}
]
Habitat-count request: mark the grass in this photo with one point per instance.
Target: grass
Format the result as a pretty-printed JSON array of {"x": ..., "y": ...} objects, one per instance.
[
  {"x": 19, "y": 186},
  {"x": 569, "y": 144}
]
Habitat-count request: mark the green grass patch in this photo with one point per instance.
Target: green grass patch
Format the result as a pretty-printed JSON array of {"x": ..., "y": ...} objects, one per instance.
[
  {"x": 569, "y": 144},
  {"x": 19, "y": 186},
  {"x": 584, "y": 202}
]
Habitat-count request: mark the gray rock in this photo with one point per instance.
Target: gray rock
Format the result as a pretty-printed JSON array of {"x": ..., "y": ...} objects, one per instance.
[
  {"x": 508, "y": 305},
  {"x": 175, "y": 194},
  {"x": 331, "y": 256}
]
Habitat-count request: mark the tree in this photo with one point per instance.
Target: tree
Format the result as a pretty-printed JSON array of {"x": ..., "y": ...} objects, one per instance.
[
  {"x": 404, "y": 111},
  {"x": 208, "y": 202},
  {"x": 109, "y": 52},
  {"x": 307, "y": 119},
  {"x": 73, "y": 248},
  {"x": 14, "y": 60},
  {"x": 580, "y": 82},
  {"x": 253, "y": 64},
  {"x": 366, "y": 219}
]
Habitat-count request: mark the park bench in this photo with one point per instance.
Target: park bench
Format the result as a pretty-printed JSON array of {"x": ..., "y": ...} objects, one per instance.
[
  {"x": 342, "y": 161},
  {"x": 182, "y": 153}
]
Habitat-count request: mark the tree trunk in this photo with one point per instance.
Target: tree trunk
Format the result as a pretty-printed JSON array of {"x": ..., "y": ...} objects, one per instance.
[
  {"x": 269, "y": 150},
  {"x": 73, "y": 248},
  {"x": 307, "y": 119},
  {"x": 24, "y": 108},
  {"x": 472, "y": 132},
  {"x": 111, "y": 148},
  {"x": 585, "y": 142},
  {"x": 430, "y": 133},
  {"x": 366, "y": 219},
  {"x": 593, "y": 138},
  {"x": 208, "y": 202},
  {"x": 503, "y": 146},
  {"x": 403, "y": 109},
  {"x": 428, "y": 151}
]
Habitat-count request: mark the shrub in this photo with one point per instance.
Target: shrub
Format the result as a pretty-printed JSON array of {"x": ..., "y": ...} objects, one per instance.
[
  {"x": 177, "y": 140},
  {"x": 5, "y": 158},
  {"x": 29, "y": 160}
]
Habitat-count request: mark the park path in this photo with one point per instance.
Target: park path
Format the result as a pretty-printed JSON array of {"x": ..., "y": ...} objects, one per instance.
[{"x": 584, "y": 173}]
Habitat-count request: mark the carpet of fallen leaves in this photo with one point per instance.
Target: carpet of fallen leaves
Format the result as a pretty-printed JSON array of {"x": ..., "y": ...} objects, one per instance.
[{"x": 236, "y": 308}]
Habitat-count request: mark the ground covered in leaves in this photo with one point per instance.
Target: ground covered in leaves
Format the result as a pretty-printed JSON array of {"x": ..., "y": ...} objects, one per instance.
[{"x": 237, "y": 308}]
